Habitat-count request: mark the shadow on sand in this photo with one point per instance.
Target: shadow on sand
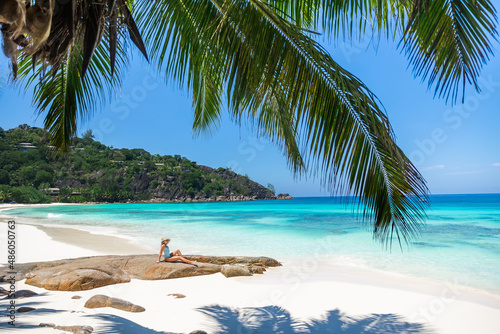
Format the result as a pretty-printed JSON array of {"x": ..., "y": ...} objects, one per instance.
[
  {"x": 116, "y": 324},
  {"x": 259, "y": 320},
  {"x": 274, "y": 319}
]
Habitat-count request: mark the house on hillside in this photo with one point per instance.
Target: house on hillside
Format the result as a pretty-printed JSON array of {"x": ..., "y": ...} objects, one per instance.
[
  {"x": 26, "y": 147},
  {"x": 53, "y": 192}
]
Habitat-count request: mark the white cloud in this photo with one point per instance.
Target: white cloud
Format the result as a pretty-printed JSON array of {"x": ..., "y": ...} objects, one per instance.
[{"x": 496, "y": 164}]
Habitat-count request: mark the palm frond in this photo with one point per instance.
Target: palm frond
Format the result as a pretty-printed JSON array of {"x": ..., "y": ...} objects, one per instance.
[
  {"x": 284, "y": 82},
  {"x": 80, "y": 32},
  {"x": 66, "y": 95},
  {"x": 448, "y": 42},
  {"x": 344, "y": 18}
]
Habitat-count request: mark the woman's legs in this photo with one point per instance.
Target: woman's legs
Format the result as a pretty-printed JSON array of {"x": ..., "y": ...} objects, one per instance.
[
  {"x": 177, "y": 252},
  {"x": 178, "y": 257}
]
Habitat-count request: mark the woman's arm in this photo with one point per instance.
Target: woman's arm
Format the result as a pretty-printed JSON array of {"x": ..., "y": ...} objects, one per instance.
[{"x": 161, "y": 250}]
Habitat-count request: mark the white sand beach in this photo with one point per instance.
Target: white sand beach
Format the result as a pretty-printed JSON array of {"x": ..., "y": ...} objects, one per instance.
[{"x": 302, "y": 296}]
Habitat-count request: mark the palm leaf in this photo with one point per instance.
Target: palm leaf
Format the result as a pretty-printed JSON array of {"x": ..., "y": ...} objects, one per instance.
[
  {"x": 67, "y": 95},
  {"x": 94, "y": 28},
  {"x": 134, "y": 33},
  {"x": 278, "y": 78},
  {"x": 448, "y": 41},
  {"x": 350, "y": 19}
]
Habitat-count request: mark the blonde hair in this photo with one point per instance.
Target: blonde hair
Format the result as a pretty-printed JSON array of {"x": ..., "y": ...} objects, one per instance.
[{"x": 164, "y": 239}]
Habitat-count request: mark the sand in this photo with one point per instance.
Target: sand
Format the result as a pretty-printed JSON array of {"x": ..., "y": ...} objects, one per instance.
[{"x": 303, "y": 296}]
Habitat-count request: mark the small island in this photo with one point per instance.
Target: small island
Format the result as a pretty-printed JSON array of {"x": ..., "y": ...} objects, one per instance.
[{"x": 31, "y": 171}]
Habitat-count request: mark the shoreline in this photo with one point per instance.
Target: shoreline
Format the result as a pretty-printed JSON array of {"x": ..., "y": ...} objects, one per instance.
[
  {"x": 324, "y": 294},
  {"x": 8, "y": 206},
  {"x": 102, "y": 243}
]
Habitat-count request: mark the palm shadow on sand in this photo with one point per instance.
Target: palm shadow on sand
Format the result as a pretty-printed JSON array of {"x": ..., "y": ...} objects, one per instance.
[
  {"x": 274, "y": 319},
  {"x": 116, "y": 324}
]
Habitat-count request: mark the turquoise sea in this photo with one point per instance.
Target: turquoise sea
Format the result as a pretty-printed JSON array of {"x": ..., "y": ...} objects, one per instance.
[{"x": 459, "y": 244}]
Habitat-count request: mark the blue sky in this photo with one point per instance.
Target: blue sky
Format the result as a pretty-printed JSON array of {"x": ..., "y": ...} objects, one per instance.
[{"x": 456, "y": 148}]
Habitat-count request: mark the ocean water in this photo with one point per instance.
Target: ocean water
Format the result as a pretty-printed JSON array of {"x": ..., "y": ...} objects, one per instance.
[{"x": 459, "y": 244}]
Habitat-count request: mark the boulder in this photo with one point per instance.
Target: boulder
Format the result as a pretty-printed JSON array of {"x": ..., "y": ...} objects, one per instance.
[
  {"x": 235, "y": 270},
  {"x": 91, "y": 272},
  {"x": 256, "y": 269},
  {"x": 3, "y": 292},
  {"x": 76, "y": 297},
  {"x": 142, "y": 267},
  {"x": 177, "y": 295},
  {"x": 98, "y": 301},
  {"x": 76, "y": 329},
  {"x": 6, "y": 276},
  {"x": 221, "y": 260},
  {"x": 23, "y": 294},
  {"x": 77, "y": 276},
  {"x": 73, "y": 329},
  {"x": 24, "y": 309}
]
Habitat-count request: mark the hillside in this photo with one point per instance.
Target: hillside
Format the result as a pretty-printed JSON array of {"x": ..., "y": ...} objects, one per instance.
[{"x": 31, "y": 172}]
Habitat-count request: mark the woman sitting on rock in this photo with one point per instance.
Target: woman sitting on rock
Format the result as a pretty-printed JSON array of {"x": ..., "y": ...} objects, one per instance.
[{"x": 171, "y": 257}]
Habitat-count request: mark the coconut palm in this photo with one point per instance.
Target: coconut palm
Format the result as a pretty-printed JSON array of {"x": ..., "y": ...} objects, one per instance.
[{"x": 261, "y": 58}]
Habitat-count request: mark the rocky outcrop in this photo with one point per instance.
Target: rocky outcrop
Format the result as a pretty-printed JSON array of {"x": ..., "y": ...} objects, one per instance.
[
  {"x": 98, "y": 301},
  {"x": 77, "y": 276},
  {"x": 172, "y": 188},
  {"x": 235, "y": 270},
  {"x": 250, "y": 261},
  {"x": 72, "y": 329},
  {"x": 92, "y": 272},
  {"x": 284, "y": 196},
  {"x": 22, "y": 294},
  {"x": 24, "y": 309},
  {"x": 241, "y": 189},
  {"x": 3, "y": 292}
]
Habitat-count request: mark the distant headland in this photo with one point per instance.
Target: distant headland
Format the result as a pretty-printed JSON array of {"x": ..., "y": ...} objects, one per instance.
[{"x": 32, "y": 172}]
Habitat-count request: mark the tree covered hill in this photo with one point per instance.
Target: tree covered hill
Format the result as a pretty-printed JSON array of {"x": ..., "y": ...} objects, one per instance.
[{"x": 31, "y": 172}]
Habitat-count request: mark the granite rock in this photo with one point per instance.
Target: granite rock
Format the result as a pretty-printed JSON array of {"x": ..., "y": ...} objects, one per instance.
[
  {"x": 235, "y": 270},
  {"x": 91, "y": 272},
  {"x": 98, "y": 301}
]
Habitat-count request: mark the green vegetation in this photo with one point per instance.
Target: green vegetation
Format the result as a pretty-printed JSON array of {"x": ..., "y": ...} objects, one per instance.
[{"x": 30, "y": 170}]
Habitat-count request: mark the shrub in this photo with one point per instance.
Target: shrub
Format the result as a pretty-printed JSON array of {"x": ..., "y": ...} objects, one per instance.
[
  {"x": 29, "y": 195},
  {"x": 4, "y": 177}
]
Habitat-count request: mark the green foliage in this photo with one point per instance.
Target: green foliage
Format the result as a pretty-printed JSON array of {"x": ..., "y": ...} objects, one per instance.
[
  {"x": 29, "y": 195},
  {"x": 150, "y": 165},
  {"x": 5, "y": 193},
  {"x": 42, "y": 176},
  {"x": 192, "y": 180},
  {"x": 213, "y": 189},
  {"x": 98, "y": 173},
  {"x": 4, "y": 177},
  {"x": 26, "y": 175}
]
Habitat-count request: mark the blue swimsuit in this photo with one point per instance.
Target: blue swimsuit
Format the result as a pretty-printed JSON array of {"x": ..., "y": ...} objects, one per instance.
[{"x": 167, "y": 252}]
